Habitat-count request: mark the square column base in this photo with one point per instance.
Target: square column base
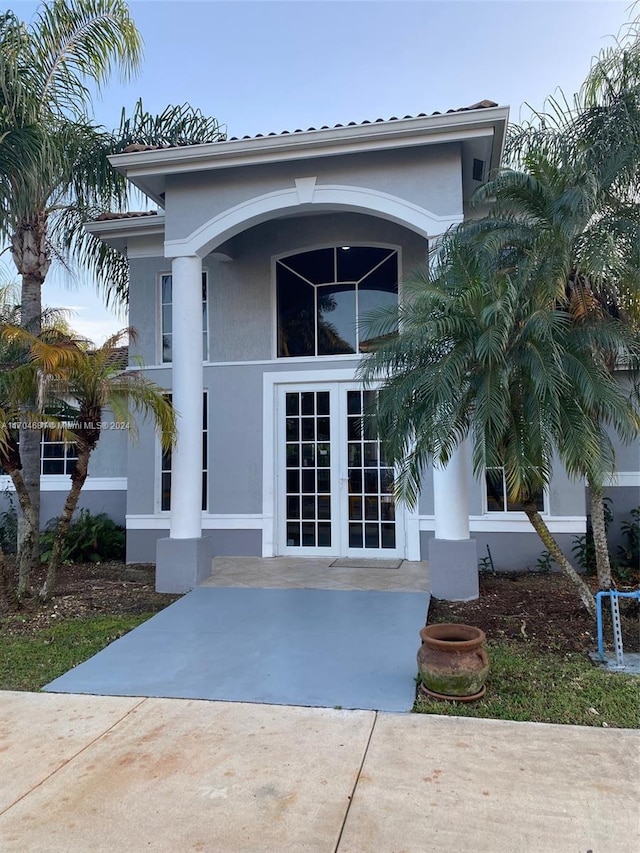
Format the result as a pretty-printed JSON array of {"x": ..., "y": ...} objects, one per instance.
[
  {"x": 182, "y": 564},
  {"x": 453, "y": 569}
]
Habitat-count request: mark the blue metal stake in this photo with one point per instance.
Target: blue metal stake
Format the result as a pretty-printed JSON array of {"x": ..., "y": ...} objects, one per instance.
[{"x": 614, "y": 597}]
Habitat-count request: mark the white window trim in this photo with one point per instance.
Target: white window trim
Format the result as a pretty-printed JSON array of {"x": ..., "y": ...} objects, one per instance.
[
  {"x": 165, "y": 513},
  {"x": 159, "y": 327},
  {"x": 511, "y": 513}
]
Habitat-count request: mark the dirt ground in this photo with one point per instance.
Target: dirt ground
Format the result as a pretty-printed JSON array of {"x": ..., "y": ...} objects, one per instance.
[
  {"x": 92, "y": 589},
  {"x": 540, "y": 609},
  {"x": 536, "y": 608}
]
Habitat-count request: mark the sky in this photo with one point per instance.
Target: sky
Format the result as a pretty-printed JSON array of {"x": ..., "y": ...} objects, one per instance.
[{"x": 267, "y": 66}]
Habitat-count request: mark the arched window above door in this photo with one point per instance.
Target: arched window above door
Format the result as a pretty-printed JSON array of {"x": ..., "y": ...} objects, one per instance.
[{"x": 325, "y": 295}]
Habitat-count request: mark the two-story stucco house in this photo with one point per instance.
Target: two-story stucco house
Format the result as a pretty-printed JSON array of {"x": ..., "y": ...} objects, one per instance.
[{"x": 247, "y": 288}]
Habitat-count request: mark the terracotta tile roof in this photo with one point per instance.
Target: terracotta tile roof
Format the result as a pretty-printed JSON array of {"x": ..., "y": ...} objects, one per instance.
[{"x": 480, "y": 105}]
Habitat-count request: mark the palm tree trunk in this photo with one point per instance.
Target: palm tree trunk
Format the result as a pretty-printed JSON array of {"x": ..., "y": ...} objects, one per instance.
[
  {"x": 29, "y": 525},
  {"x": 30, "y": 531},
  {"x": 554, "y": 549},
  {"x": 603, "y": 565},
  {"x": 31, "y": 256},
  {"x": 77, "y": 482}
]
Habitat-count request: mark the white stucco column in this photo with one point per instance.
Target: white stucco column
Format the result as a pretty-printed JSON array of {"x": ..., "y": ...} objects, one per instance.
[
  {"x": 451, "y": 497},
  {"x": 188, "y": 375},
  {"x": 453, "y": 560}
]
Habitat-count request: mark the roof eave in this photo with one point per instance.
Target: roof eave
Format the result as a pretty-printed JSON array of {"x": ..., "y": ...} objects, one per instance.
[{"x": 315, "y": 143}]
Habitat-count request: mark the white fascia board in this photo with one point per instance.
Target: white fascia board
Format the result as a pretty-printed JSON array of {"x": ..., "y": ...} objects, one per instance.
[
  {"x": 448, "y": 127},
  {"x": 132, "y": 226}
]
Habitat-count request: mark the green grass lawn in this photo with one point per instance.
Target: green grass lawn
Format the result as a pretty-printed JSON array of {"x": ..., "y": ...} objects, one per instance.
[
  {"x": 524, "y": 684},
  {"x": 28, "y": 662}
]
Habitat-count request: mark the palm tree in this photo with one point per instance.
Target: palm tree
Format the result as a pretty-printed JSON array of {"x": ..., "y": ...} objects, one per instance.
[
  {"x": 24, "y": 360},
  {"x": 492, "y": 352},
  {"x": 560, "y": 214},
  {"x": 62, "y": 177},
  {"x": 95, "y": 382}
]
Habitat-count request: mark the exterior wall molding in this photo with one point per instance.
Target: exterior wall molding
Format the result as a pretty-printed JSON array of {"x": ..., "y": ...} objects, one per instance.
[
  {"x": 62, "y": 483},
  {"x": 210, "y": 521},
  {"x": 303, "y": 359},
  {"x": 324, "y": 197},
  {"x": 500, "y": 523},
  {"x": 628, "y": 479}
]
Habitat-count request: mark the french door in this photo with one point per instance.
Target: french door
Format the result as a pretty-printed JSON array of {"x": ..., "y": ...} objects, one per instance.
[{"x": 335, "y": 489}]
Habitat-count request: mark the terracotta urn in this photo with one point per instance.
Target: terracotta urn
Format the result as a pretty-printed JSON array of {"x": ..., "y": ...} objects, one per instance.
[{"x": 452, "y": 662}]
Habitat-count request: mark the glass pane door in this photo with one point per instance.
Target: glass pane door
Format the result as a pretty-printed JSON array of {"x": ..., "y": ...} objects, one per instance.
[
  {"x": 335, "y": 488},
  {"x": 371, "y": 511},
  {"x": 308, "y": 479}
]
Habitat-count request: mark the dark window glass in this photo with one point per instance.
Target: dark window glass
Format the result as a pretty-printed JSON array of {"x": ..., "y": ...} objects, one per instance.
[
  {"x": 324, "y": 433},
  {"x": 324, "y": 295},
  {"x": 308, "y": 533},
  {"x": 324, "y": 480},
  {"x": 497, "y": 490},
  {"x": 308, "y": 403},
  {"x": 323, "y": 402},
  {"x": 309, "y": 482},
  {"x": 293, "y": 403},
  {"x": 324, "y": 534},
  {"x": 308, "y": 506},
  {"x": 324, "y": 456},
  {"x": 354, "y": 402},
  {"x": 293, "y": 533},
  {"x": 371, "y": 508},
  {"x": 388, "y": 535},
  {"x": 355, "y": 480},
  {"x": 355, "y": 507},
  {"x": 324, "y": 507},
  {"x": 355, "y": 536},
  {"x": 296, "y": 316},
  {"x": 336, "y": 319},
  {"x": 356, "y": 262},
  {"x": 371, "y": 536},
  {"x": 293, "y": 481},
  {"x": 317, "y": 266},
  {"x": 293, "y": 429}
]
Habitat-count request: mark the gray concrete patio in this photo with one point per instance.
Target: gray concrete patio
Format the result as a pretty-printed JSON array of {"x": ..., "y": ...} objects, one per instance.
[
  {"x": 281, "y": 631},
  {"x": 112, "y": 774}
]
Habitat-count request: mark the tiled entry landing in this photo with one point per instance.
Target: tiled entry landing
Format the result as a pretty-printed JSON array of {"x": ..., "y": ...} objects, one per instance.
[{"x": 314, "y": 573}]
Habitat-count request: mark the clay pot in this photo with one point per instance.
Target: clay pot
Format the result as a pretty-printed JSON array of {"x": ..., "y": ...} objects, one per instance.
[{"x": 452, "y": 662}]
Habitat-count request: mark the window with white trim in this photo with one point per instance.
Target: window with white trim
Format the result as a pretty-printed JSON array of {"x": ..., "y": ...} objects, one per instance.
[
  {"x": 165, "y": 464},
  {"x": 57, "y": 456},
  {"x": 323, "y": 297},
  {"x": 166, "y": 322},
  {"x": 497, "y": 495}
]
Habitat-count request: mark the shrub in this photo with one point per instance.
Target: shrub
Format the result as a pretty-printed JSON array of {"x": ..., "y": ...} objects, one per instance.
[
  {"x": 9, "y": 527},
  {"x": 90, "y": 539},
  {"x": 629, "y": 552}
]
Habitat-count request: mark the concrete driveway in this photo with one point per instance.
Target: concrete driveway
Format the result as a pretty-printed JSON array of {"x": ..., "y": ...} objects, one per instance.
[{"x": 111, "y": 774}]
